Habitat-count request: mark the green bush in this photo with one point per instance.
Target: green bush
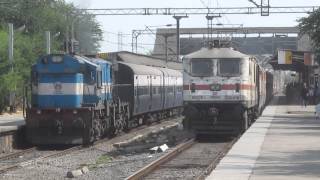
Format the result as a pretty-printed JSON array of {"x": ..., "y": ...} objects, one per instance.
[{"x": 31, "y": 18}]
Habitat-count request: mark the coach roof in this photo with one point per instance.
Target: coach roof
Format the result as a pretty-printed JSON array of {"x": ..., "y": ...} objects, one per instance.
[
  {"x": 143, "y": 69},
  {"x": 171, "y": 72}
]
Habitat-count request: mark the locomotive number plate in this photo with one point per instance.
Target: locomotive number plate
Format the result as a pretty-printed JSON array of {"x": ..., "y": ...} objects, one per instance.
[{"x": 215, "y": 87}]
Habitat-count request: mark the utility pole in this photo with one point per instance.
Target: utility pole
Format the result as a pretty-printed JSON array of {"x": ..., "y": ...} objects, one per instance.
[
  {"x": 178, "y": 18},
  {"x": 10, "y": 50},
  {"x": 10, "y": 55},
  {"x": 48, "y": 42},
  {"x": 67, "y": 40},
  {"x": 135, "y": 35},
  {"x": 166, "y": 48},
  {"x": 265, "y": 7},
  {"x": 120, "y": 41},
  {"x": 72, "y": 36}
]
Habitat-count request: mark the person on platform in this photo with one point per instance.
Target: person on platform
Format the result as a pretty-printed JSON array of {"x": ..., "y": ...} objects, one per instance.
[
  {"x": 303, "y": 94},
  {"x": 311, "y": 95}
]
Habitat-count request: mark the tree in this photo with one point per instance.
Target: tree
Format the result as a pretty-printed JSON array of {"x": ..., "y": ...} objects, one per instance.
[
  {"x": 32, "y": 18},
  {"x": 311, "y": 26}
]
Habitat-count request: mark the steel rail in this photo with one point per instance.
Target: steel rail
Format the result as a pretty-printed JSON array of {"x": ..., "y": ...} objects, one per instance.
[
  {"x": 28, "y": 162},
  {"x": 167, "y": 157},
  {"x": 15, "y": 154},
  {"x": 63, "y": 152}
]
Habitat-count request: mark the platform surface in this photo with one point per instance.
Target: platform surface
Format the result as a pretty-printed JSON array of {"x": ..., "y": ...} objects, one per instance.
[
  {"x": 11, "y": 122},
  {"x": 283, "y": 144}
]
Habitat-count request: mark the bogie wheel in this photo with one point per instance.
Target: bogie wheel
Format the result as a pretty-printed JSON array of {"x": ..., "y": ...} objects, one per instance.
[
  {"x": 112, "y": 132},
  {"x": 186, "y": 124},
  {"x": 244, "y": 121},
  {"x": 126, "y": 127},
  {"x": 91, "y": 136}
]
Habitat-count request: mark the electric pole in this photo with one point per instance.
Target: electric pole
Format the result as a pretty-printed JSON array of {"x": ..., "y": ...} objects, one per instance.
[
  {"x": 178, "y": 18},
  {"x": 10, "y": 55},
  {"x": 48, "y": 42}
]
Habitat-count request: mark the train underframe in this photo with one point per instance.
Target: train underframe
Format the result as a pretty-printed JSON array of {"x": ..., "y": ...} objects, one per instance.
[
  {"x": 219, "y": 118},
  {"x": 85, "y": 125},
  {"x": 75, "y": 125}
]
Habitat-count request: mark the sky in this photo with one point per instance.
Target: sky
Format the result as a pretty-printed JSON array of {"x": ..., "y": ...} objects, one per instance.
[{"x": 112, "y": 25}]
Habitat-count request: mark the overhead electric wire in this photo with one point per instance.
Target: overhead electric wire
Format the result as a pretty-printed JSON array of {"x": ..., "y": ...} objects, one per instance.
[{"x": 256, "y": 4}]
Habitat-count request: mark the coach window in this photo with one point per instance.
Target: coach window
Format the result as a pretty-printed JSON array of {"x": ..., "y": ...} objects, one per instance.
[{"x": 201, "y": 67}]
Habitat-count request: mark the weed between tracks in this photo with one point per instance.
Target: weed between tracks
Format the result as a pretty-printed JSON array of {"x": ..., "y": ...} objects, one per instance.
[{"x": 102, "y": 160}]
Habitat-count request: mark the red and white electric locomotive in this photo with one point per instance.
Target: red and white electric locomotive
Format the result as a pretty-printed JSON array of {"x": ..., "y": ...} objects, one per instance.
[{"x": 224, "y": 90}]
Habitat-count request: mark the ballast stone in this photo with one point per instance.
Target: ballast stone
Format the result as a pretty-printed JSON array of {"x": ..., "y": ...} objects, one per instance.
[
  {"x": 84, "y": 169},
  {"x": 74, "y": 173}
]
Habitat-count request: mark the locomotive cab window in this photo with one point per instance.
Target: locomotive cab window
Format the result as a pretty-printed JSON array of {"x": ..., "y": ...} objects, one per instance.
[
  {"x": 201, "y": 67},
  {"x": 34, "y": 77},
  {"x": 229, "y": 67}
]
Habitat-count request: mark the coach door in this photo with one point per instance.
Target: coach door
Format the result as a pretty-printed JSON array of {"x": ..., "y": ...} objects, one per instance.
[
  {"x": 162, "y": 90},
  {"x": 136, "y": 95},
  {"x": 150, "y": 93},
  {"x": 174, "y": 79}
]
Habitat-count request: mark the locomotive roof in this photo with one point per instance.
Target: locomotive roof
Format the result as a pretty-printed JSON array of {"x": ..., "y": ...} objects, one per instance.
[
  {"x": 143, "y": 69},
  {"x": 99, "y": 61},
  {"x": 216, "y": 53}
]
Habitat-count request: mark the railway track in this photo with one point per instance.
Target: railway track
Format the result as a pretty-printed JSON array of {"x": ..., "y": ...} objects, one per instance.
[
  {"x": 29, "y": 156},
  {"x": 34, "y": 154},
  {"x": 190, "y": 160}
]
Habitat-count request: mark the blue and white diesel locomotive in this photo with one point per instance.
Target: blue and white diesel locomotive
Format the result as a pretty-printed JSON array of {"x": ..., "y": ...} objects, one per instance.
[{"x": 77, "y": 100}]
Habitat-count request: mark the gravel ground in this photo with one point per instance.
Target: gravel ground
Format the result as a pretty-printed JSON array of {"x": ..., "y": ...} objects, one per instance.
[
  {"x": 102, "y": 160},
  {"x": 25, "y": 157},
  {"x": 122, "y": 166},
  {"x": 190, "y": 163}
]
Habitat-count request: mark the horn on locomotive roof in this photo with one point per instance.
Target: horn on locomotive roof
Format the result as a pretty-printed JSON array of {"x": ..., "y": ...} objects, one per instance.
[{"x": 214, "y": 44}]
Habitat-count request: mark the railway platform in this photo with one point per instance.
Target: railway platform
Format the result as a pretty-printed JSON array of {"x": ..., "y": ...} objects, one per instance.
[
  {"x": 284, "y": 143},
  {"x": 9, "y": 122},
  {"x": 11, "y": 131}
]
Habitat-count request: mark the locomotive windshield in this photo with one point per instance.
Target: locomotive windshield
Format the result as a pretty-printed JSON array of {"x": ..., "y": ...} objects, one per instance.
[
  {"x": 229, "y": 67},
  {"x": 201, "y": 67}
]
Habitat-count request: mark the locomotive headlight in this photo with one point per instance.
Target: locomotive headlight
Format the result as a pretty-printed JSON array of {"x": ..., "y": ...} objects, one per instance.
[
  {"x": 57, "y": 59},
  {"x": 75, "y": 111},
  {"x": 38, "y": 111},
  {"x": 215, "y": 87}
]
